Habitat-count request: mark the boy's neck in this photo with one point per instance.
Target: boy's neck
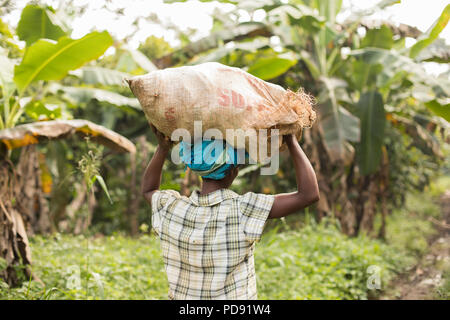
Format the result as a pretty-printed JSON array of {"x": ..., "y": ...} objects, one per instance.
[{"x": 209, "y": 186}]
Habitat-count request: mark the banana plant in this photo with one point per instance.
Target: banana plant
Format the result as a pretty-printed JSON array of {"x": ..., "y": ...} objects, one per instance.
[
  {"x": 29, "y": 86},
  {"x": 52, "y": 55},
  {"x": 308, "y": 29}
]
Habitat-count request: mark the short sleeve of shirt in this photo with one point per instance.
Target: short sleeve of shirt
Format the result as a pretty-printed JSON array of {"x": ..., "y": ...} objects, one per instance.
[
  {"x": 159, "y": 200},
  {"x": 255, "y": 209}
]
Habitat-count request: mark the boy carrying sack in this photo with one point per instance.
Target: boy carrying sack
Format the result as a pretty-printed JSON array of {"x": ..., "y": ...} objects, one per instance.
[{"x": 208, "y": 239}]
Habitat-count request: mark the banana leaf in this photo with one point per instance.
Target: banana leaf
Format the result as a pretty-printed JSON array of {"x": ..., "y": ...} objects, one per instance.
[
  {"x": 49, "y": 60},
  {"x": 432, "y": 33},
  {"x": 373, "y": 119},
  {"x": 36, "y": 23},
  {"x": 42, "y": 131},
  {"x": 103, "y": 76},
  {"x": 77, "y": 95}
]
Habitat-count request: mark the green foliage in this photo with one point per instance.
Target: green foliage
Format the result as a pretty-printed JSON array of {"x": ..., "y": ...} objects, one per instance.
[
  {"x": 378, "y": 38},
  {"x": 126, "y": 269},
  {"x": 101, "y": 76},
  {"x": 376, "y": 74},
  {"x": 46, "y": 60},
  {"x": 440, "y": 110},
  {"x": 317, "y": 262},
  {"x": 269, "y": 68},
  {"x": 443, "y": 291},
  {"x": 38, "y": 111},
  {"x": 409, "y": 228},
  {"x": 431, "y": 35},
  {"x": 409, "y": 168},
  {"x": 155, "y": 47},
  {"x": 340, "y": 125},
  {"x": 311, "y": 261},
  {"x": 372, "y": 115},
  {"x": 89, "y": 166},
  {"x": 81, "y": 95},
  {"x": 38, "y": 22}
]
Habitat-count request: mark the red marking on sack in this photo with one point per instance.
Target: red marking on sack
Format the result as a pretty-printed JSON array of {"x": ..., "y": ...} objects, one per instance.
[
  {"x": 227, "y": 97},
  {"x": 238, "y": 99},
  {"x": 223, "y": 95},
  {"x": 169, "y": 114}
]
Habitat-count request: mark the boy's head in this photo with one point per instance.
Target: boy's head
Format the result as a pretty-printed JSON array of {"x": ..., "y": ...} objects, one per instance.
[
  {"x": 226, "y": 181},
  {"x": 212, "y": 160}
]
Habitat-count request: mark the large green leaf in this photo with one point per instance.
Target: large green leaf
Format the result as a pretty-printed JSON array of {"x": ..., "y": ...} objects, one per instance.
[
  {"x": 269, "y": 68},
  {"x": 364, "y": 74},
  {"x": 337, "y": 123},
  {"x": 379, "y": 38},
  {"x": 392, "y": 61},
  {"x": 432, "y": 34},
  {"x": 438, "y": 52},
  {"x": 78, "y": 95},
  {"x": 47, "y": 60},
  {"x": 36, "y": 23},
  {"x": 103, "y": 76},
  {"x": 373, "y": 119},
  {"x": 442, "y": 110},
  {"x": 350, "y": 125}
]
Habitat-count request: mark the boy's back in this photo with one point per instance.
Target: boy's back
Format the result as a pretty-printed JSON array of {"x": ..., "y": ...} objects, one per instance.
[{"x": 207, "y": 241}]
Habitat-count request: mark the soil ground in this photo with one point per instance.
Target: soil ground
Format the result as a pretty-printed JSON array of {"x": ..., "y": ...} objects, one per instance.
[{"x": 422, "y": 282}]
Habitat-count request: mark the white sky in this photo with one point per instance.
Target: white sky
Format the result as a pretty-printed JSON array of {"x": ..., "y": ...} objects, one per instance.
[{"x": 195, "y": 14}]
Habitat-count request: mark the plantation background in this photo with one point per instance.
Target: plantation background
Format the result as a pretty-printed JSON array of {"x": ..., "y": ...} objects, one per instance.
[{"x": 74, "y": 144}]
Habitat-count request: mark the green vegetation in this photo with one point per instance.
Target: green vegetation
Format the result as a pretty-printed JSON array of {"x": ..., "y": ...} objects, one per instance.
[
  {"x": 380, "y": 140},
  {"x": 310, "y": 261}
]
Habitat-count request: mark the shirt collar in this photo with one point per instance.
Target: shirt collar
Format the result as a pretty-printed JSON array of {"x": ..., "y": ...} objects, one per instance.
[{"x": 212, "y": 198}]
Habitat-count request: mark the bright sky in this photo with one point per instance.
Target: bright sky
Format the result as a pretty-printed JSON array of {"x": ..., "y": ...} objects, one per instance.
[{"x": 195, "y": 14}]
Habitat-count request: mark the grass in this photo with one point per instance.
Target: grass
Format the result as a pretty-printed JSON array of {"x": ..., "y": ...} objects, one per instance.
[
  {"x": 443, "y": 291},
  {"x": 315, "y": 261}
]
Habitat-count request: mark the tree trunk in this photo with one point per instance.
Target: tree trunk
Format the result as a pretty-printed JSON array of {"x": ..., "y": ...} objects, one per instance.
[
  {"x": 14, "y": 246},
  {"x": 30, "y": 191}
]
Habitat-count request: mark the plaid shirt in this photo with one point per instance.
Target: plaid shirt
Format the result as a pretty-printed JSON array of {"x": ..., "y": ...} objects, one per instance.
[{"x": 207, "y": 242}]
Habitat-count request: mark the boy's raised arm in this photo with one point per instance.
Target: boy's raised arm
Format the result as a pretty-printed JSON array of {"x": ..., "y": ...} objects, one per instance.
[
  {"x": 152, "y": 175},
  {"x": 307, "y": 187}
]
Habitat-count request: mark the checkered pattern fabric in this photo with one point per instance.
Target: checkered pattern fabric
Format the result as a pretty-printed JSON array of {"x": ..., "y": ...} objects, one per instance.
[{"x": 207, "y": 242}]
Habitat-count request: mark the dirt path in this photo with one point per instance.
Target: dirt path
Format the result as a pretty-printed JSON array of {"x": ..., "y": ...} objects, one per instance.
[{"x": 422, "y": 281}]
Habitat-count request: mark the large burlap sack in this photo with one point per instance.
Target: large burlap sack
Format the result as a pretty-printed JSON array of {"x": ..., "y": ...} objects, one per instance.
[{"x": 221, "y": 97}]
